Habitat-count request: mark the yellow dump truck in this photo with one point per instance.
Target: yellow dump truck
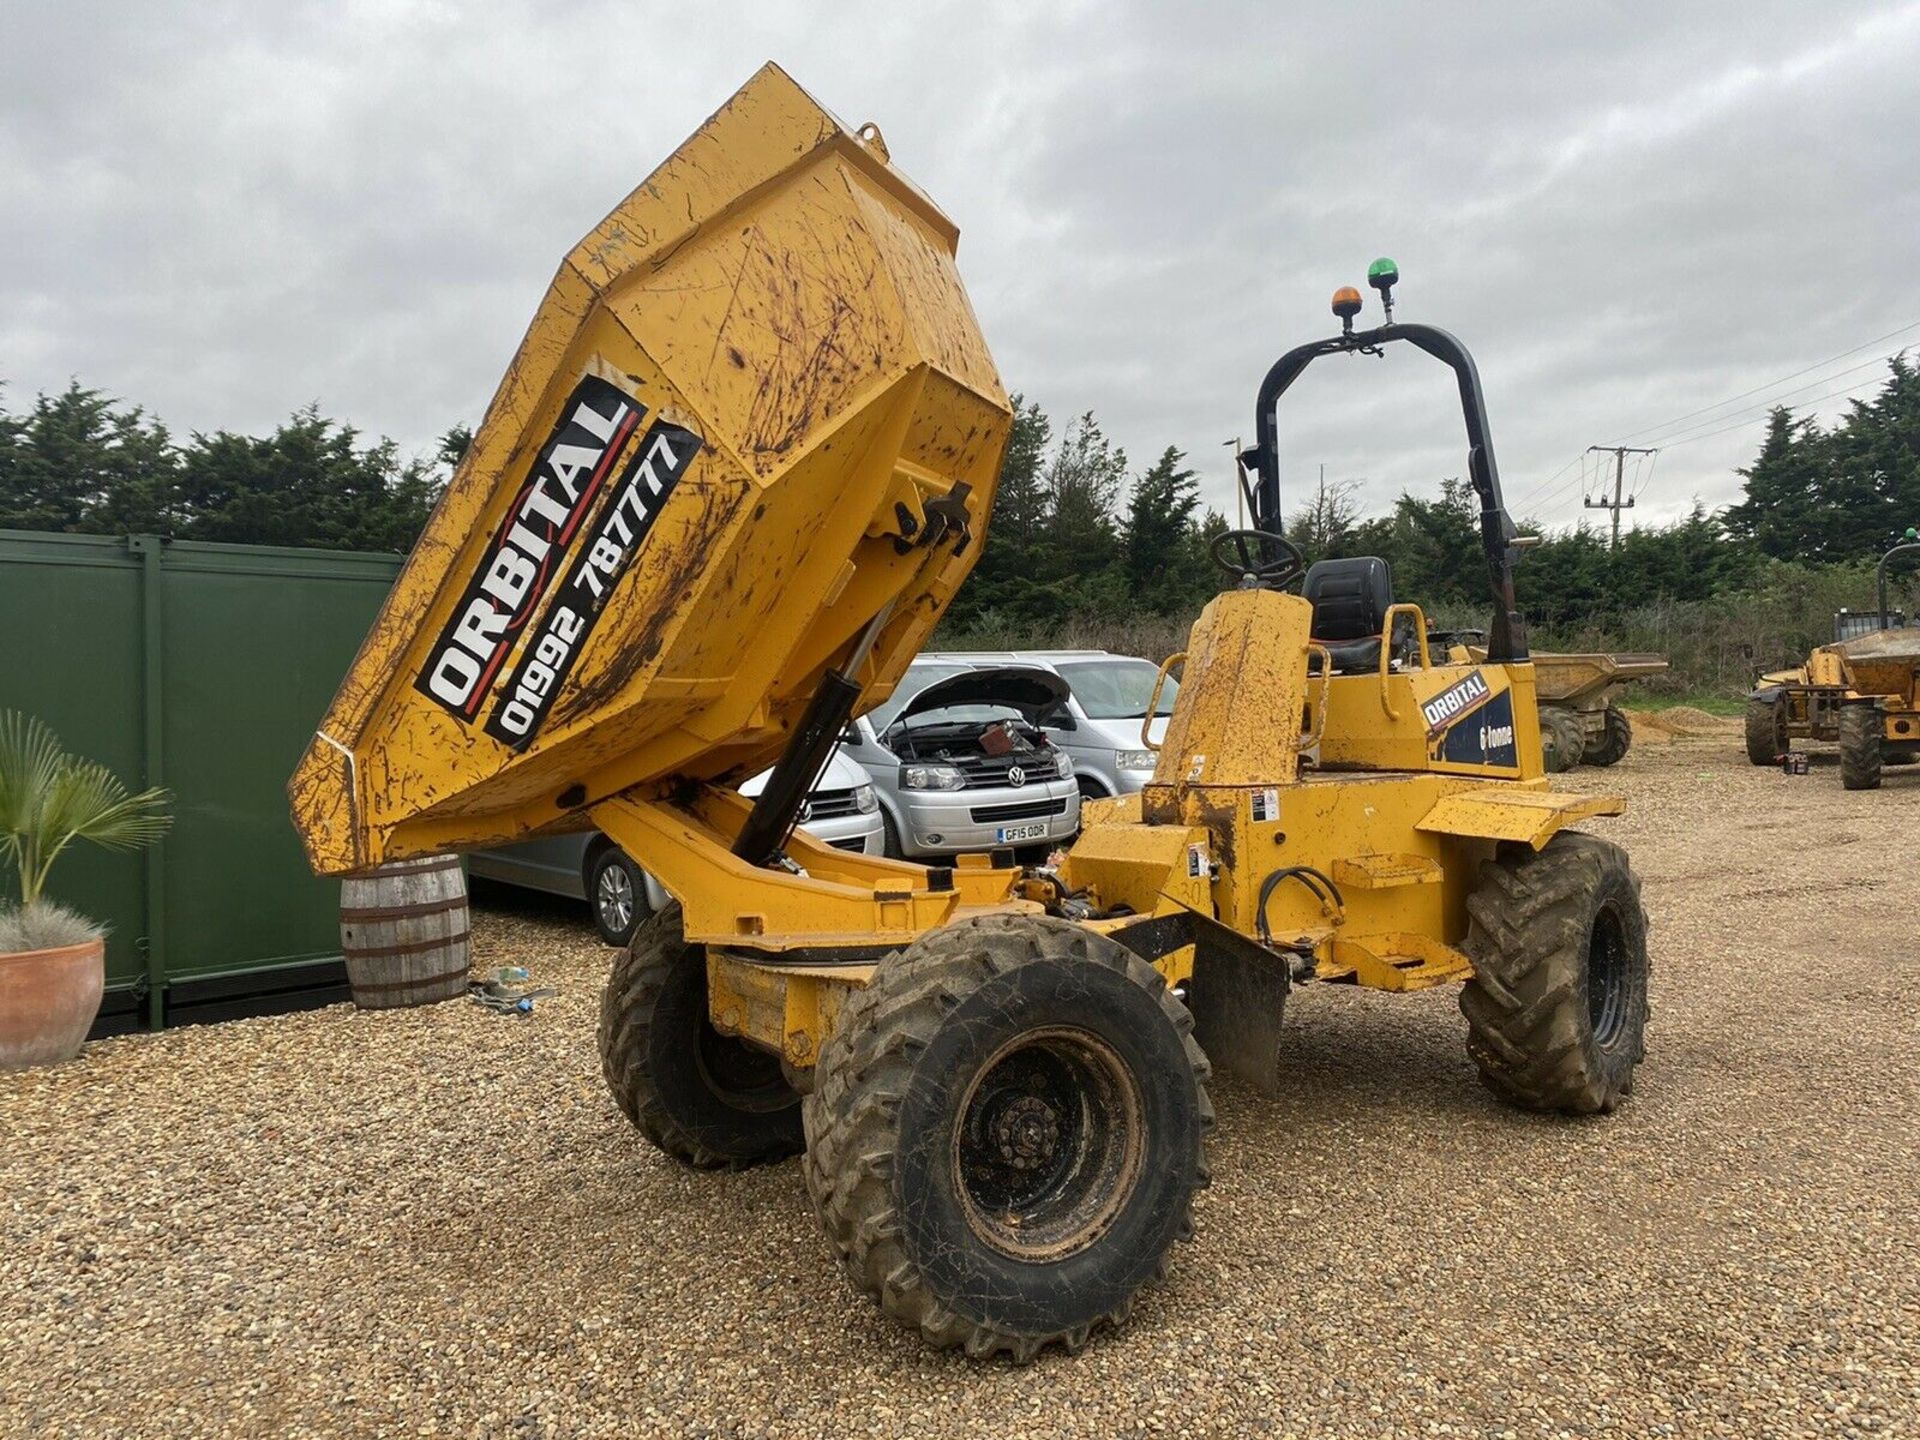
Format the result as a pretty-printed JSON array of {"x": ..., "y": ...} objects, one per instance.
[
  {"x": 731, "y": 480},
  {"x": 1862, "y": 693},
  {"x": 1581, "y": 721}
]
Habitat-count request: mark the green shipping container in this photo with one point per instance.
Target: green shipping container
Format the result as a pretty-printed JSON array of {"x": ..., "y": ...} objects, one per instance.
[{"x": 203, "y": 668}]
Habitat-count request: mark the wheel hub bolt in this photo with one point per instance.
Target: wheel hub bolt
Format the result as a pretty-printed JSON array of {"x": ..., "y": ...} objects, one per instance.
[{"x": 1028, "y": 1132}]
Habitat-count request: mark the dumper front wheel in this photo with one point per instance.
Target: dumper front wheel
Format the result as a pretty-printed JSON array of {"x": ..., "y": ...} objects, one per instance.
[
  {"x": 1610, "y": 746},
  {"x": 1862, "y": 743},
  {"x": 705, "y": 1098},
  {"x": 1557, "y": 1006},
  {"x": 1005, "y": 1133},
  {"x": 1767, "y": 738}
]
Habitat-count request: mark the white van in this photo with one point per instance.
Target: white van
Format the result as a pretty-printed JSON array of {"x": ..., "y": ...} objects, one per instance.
[{"x": 961, "y": 764}]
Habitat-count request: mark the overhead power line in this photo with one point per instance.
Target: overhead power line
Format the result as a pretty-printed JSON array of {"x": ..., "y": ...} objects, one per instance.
[
  {"x": 1772, "y": 402},
  {"x": 1547, "y": 493},
  {"x": 1527, "y": 499},
  {"x": 1817, "y": 365},
  {"x": 1576, "y": 482},
  {"x": 1845, "y": 390},
  {"x": 1643, "y": 473}
]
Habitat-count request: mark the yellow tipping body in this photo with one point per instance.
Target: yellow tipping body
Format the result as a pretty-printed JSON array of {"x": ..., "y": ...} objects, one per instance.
[
  {"x": 1579, "y": 679},
  {"x": 1884, "y": 663},
  {"x": 753, "y": 414}
]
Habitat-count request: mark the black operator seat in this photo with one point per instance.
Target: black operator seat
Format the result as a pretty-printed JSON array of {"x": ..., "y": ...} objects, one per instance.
[{"x": 1350, "y": 600}]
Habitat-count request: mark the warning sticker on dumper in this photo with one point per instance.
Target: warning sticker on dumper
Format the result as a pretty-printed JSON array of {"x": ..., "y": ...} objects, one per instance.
[
  {"x": 615, "y": 537},
  {"x": 535, "y": 534}
]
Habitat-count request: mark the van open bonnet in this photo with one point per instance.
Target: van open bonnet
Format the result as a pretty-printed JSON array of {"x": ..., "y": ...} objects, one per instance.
[{"x": 1029, "y": 691}]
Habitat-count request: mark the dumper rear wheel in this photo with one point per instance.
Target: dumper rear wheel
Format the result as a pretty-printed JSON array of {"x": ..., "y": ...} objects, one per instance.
[
  {"x": 1557, "y": 1007},
  {"x": 1562, "y": 739},
  {"x": 1767, "y": 738},
  {"x": 1005, "y": 1133},
  {"x": 705, "y": 1098},
  {"x": 1610, "y": 746},
  {"x": 1862, "y": 741}
]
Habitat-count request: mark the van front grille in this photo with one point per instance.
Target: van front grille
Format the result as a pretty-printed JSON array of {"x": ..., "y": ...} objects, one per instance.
[
  {"x": 989, "y": 772},
  {"x": 1019, "y": 810}
]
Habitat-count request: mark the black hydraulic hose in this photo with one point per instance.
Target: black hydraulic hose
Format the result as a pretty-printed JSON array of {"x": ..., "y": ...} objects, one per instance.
[{"x": 1323, "y": 888}]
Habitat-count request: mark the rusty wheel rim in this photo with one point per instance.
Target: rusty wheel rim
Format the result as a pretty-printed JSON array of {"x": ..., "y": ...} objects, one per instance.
[{"x": 1048, "y": 1144}]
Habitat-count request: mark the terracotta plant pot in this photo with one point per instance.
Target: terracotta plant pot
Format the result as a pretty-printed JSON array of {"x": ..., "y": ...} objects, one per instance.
[{"x": 48, "y": 999}]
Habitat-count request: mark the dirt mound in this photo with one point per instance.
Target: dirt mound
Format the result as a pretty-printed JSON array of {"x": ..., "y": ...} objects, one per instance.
[{"x": 1681, "y": 722}]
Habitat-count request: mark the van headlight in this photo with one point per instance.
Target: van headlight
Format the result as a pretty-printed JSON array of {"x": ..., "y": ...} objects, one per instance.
[
  {"x": 932, "y": 777},
  {"x": 1136, "y": 759},
  {"x": 1066, "y": 764},
  {"x": 863, "y": 800}
]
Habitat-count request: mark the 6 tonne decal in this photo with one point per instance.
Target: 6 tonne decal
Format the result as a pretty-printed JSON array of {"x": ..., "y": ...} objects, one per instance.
[
  {"x": 617, "y": 534},
  {"x": 1487, "y": 741},
  {"x": 534, "y": 534}
]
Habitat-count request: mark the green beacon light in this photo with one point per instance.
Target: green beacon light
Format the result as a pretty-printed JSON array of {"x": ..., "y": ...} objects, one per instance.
[
  {"x": 1912, "y": 534},
  {"x": 1383, "y": 275}
]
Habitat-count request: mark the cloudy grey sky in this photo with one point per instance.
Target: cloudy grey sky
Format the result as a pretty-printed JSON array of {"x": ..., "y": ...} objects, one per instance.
[{"x": 1629, "y": 211}]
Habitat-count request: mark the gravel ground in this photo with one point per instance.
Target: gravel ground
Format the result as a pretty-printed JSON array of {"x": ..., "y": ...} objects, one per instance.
[{"x": 433, "y": 1222}]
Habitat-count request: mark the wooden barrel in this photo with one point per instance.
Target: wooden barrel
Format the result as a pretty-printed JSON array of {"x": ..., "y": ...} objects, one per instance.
[{"x": 403, "y": 930}]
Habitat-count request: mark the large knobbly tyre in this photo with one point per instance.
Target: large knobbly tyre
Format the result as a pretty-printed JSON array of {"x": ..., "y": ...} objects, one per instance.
[
  {"x": 1557, "y": 1006},
  {"x": 1767, "y": 738},
  {"x": 1610, "y": 746},
  {"x": 703, "y": 1097},
  {"x": 1562, "y": 739},
  {"x": 1005, "y": 1133},
  {"x": 1862, "y": 740}
]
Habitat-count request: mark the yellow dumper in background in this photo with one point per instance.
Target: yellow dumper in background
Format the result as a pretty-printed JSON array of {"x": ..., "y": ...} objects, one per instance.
[
  {"x": 1581, "y": 720},
  {"x": 1861, "y": 692}
]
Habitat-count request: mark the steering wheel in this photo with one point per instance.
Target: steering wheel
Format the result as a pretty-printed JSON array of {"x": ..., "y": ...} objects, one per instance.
[{"x": 1258, "y": 556}]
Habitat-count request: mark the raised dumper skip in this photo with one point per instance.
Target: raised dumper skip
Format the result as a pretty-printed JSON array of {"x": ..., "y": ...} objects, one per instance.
[{"x": 997, "y": 1075}]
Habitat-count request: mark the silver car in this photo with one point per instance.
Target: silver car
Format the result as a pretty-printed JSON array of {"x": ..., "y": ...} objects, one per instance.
[
  {"x": 1098, "y": 724},
  {"x": 842, "y": 810},
  {"x": 960, "y": 763}
]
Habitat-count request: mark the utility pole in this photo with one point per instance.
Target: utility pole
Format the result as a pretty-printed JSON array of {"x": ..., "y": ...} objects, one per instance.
[
  {"x": 1616, "y": 505},
  {"x": 1320, "y": 509},
  {"x": 1239, "y": 482}
]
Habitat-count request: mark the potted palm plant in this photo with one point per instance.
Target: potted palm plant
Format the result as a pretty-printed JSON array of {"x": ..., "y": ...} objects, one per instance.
[{"x": 52, "y": 961}]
